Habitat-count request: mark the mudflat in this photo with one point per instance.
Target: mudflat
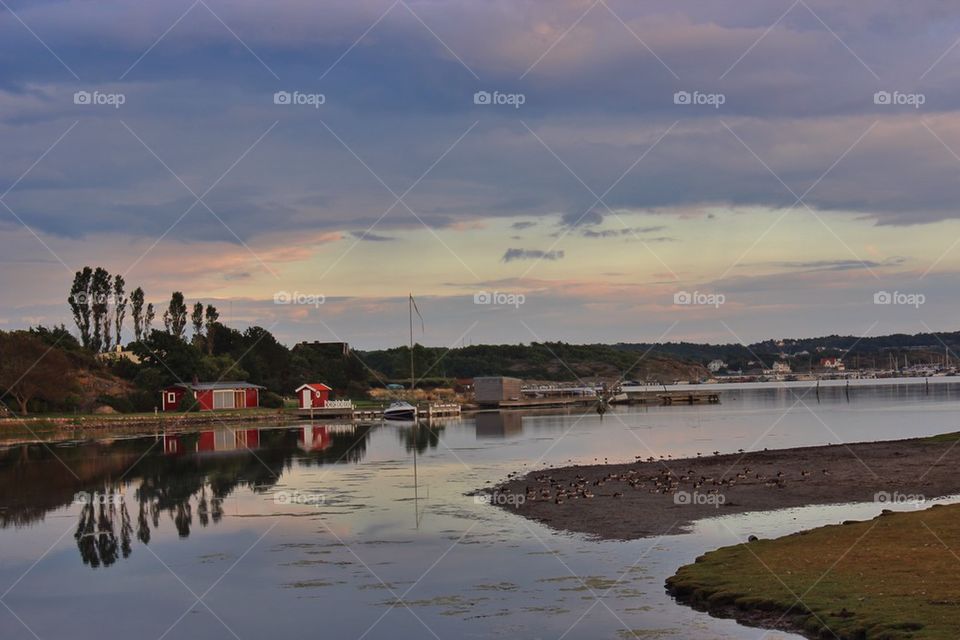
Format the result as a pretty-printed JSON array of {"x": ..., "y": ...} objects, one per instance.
[{"x": 656, "y": 497}]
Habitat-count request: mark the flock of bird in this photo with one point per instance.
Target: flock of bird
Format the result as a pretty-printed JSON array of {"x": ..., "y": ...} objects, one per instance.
[{"x": 560, "y": 488}]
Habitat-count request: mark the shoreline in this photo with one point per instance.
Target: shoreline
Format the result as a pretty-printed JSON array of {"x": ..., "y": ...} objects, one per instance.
[
  {"x": 637, "y": 500},
  {"x": 31, "y": 430},
  {"x": 876, "y": 578},
  {"x": 652, "y": 498}
]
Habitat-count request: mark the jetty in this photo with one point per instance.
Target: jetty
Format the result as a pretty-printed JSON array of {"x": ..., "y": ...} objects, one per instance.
[
  {"x": 664, "y": 397},
  {"x": 346, "y": 410}
]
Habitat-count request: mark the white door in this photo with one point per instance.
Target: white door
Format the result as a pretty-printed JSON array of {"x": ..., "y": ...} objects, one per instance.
[{"x": 307, "y": 401}]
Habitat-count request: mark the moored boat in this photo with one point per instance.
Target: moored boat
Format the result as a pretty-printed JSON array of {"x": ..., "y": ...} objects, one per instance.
[{"x": 400, "y": 410}]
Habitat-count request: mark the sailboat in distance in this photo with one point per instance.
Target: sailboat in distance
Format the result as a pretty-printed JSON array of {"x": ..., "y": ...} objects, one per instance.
[{"x": 401, "y": 410}]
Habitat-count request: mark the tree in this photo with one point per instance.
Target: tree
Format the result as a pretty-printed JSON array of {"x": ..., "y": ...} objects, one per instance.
[
  {"x": 212, "y": 316},
  {"x": 175, "y": 317},
  {"x": 100, "y": 299},
  {"x": 120, "y": 305},
  {"x": 148, "y": 319},
  {"x": 79, "y": 301},
  {"x": 29, "y": 369},
  {"x": 196, "y": 318},
  {"x": 174, "y": 359},
  {"x": 136, "y": 310}
]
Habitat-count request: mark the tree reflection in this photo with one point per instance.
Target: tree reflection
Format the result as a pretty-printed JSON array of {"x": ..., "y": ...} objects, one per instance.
[
  {"x": 420, "y": 436},
  {"x": 96, "y": 533},
  {"x": 184, "y": 477}
]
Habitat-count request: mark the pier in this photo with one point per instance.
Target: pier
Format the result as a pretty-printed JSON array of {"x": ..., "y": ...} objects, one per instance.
[
  {"x": 666, "y": 397},
  {"x": 348, "y": 411}
]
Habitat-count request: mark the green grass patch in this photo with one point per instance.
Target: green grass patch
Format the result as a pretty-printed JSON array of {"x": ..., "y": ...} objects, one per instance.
[
  {"x": 893, "y": 577},
  {"x": 944, "y": 437}
]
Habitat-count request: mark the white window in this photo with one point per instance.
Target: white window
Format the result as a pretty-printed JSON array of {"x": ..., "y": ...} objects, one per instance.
[
  {"x": 223, "y": 400},
  {"x": 171, "y": 398}
]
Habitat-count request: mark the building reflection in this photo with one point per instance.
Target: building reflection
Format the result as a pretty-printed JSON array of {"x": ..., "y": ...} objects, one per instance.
[
  {"x": 498, "y": 424},
  {"x": 180, "y": 478}
]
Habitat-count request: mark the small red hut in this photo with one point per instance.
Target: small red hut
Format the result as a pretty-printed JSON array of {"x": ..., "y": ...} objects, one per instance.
[
  {"x": 313, "y": 395},
  {"x": 214, "y": 395}
]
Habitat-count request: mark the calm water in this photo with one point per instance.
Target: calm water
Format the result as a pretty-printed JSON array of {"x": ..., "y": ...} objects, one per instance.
[{"x": 318, "y": 531}]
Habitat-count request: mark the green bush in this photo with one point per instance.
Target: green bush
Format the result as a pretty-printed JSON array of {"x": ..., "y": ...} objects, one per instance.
[
  {"x": 188, "y": 403},
  {"x": 144, "y": 401},
  {"x": 270, "y": 400}
]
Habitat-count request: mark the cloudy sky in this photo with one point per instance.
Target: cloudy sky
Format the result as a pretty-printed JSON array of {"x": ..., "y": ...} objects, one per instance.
[{"x": 591, "y": 165}]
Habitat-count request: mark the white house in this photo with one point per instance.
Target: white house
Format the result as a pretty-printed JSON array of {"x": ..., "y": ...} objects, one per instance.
[{"x": 716, "y": 365}]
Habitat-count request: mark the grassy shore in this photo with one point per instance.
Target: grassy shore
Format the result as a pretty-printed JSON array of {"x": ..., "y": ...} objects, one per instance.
[
  {"x": 893, "y": 577},
  {"x": 52, "y": 426}
]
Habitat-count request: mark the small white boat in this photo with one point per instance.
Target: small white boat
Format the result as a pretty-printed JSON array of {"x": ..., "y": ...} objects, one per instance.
[{"x": 400, "y": 410}]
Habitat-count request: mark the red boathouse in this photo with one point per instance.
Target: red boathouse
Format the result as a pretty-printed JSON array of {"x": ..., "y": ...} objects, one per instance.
[
  {"x": 214, "y": 395},
  {"x": 313, "y": 395}
]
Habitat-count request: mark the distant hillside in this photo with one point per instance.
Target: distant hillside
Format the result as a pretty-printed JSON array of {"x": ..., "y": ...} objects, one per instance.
[
  {"x": 920, "y": 347},
  {"x": 557, "y": 361},
  {"x": 664, "y": 362}
]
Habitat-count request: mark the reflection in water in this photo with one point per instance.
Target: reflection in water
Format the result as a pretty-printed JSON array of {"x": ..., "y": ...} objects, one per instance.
[
  {"x": 96, "y": 532},
  {"x": 186, "y": 476},
  {"x": 499, "y": 424},
  {"x": 400, "y": 512},
  {"x": 420, "y": 436}
]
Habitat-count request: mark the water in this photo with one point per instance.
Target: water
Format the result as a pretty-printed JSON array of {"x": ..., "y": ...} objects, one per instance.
[{"x": 296, "y": 532}]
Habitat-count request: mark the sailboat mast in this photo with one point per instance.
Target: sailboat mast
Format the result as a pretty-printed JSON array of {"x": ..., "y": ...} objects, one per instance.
[{"x": 411, "y": 342}]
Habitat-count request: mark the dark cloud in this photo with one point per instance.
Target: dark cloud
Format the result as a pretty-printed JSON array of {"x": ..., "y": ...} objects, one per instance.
[
  {"x": 839, "y": 265},
  {"x": 590, "y": 218},
  {"x": 369, "y": 236},
  {"x": 626, "y": 231},
  {"x": 531, "y": 254},
  {"x": 523, "y": 224}
]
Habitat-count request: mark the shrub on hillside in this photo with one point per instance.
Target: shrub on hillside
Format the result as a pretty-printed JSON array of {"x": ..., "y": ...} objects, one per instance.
[{"x": 270, "y": 400}]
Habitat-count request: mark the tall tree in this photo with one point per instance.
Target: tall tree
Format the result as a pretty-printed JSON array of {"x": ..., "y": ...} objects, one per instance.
[
  {"x": 79, "y": 301},
  {"x": 175, "y": 317},
  {"x": 212, "y": 316},
  {"x": 30, "y": 369},
  {"x": 196, "y": 318},
  {"x": 148, "y": 320},
  {"x": 100, "y": 300},
  {"x": 136, "y": 310},
  {"x": 119, "y": 306}
]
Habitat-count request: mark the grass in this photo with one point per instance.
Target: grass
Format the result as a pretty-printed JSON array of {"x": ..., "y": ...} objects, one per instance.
[
  {"x": 890, "y": 578},
  {"x": 945, "y": 437}
]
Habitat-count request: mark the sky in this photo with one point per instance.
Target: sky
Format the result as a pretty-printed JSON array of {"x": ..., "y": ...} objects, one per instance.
[{"x": 578, "y": 170}]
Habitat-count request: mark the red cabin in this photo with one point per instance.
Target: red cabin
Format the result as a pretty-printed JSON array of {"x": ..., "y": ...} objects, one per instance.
[
  {"x": 214, "y": 395},
  {"x": 313, "y": 395}
]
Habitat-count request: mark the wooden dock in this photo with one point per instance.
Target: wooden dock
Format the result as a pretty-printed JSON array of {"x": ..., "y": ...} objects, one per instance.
[
  {"x": 430, "y": 411},
  {"x": 667, "y": 397},
  {"x": 548, "y": 401}
]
